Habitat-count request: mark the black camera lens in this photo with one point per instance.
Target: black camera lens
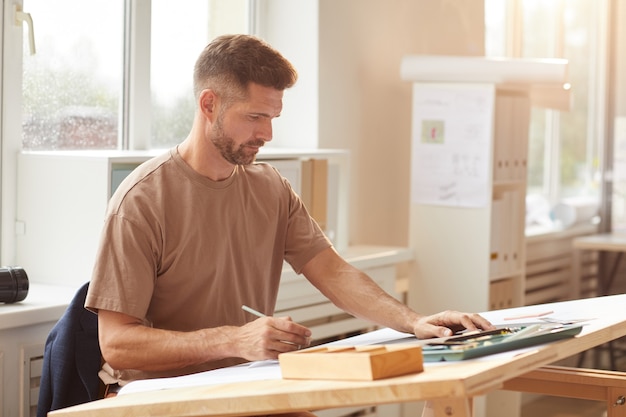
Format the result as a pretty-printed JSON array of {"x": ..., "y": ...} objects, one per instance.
[{"x": 13, "y": 284}]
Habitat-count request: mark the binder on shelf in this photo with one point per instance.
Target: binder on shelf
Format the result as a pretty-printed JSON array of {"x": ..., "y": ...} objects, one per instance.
[
  {"x": 521, "y": 123},
  {"x": 512, "y": 118},
  {"x": 501, "y": 294},
  {"x": 506, "y": 233},
  {"x": 518, "y": 206},
  {"x": 496, "y": 253},
  {"x": 503, "y": 137},
  {"x": 512, "y": 199},
  {"x": 314, "y": 191}
]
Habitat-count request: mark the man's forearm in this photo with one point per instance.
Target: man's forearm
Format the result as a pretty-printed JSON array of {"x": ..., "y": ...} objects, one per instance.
[
  {"x": 135, "y": 346},
  {"x": 356, "y": 293},
  {"x": 379, "y": 306},
  {"x": 126, "y": 343}
]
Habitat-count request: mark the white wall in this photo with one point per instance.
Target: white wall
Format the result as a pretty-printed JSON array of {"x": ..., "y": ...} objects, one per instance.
[
  {"x": 350, "y": 95},
  {"x": 291, "y": 26}
]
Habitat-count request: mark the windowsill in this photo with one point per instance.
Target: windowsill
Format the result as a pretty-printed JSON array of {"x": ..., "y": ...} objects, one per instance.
[
  {"x": 535, "y": 233},
  {"x": 44, "y": 303}
]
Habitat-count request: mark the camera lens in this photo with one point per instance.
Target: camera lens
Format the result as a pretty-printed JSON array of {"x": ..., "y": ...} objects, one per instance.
[{"x": 13, "y": 284}]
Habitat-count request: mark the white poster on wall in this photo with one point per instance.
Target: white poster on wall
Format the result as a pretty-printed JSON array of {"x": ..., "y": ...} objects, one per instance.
[{"x": 452, "y": 127}]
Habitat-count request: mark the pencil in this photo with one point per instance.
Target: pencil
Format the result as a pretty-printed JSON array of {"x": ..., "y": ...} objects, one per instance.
[
  {"x": 530, "y": 316},
  {"x": 523, "y": 333},
  {"x": 252, "y": 311}
]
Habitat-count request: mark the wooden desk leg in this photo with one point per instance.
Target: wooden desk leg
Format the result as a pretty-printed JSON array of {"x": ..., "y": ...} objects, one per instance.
[
  {"x": 449, "y": 407},
  {"x": 616, "y": 403},
  {"x": 577, "y": 275}
]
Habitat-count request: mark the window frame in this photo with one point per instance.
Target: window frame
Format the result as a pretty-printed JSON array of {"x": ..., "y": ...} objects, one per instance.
[
  {"x": 135, "y": 120},
  {"x": 551, "y": 186},
  {"x": 10, "y": 125}
]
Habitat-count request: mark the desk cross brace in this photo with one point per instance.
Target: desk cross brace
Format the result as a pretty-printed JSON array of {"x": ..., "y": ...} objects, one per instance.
[
  {"x": 448, "y": 407},
  {"x": 589, "y": 384}
]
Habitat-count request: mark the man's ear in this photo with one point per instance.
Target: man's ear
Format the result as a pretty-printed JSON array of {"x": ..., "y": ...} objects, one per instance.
[{"x": 208, "y": 104}]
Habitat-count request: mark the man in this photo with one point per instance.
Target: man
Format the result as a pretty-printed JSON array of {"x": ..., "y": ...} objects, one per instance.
[{"x": 196, "y": 233}]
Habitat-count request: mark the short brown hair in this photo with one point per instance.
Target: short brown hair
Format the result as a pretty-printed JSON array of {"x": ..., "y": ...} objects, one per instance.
[{"x": 230, "y": 63}]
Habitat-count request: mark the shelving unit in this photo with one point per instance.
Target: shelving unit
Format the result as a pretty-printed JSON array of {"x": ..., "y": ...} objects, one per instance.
[
  {"x": 470, "y": 250},
  {"x": 507, "y": 242},
  {"x": 62, "y": 198}
]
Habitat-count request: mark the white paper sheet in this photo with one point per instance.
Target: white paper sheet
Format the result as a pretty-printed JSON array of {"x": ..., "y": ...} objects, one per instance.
[
  {"x": 251, "y": 371},
  {"x": 452, "y": 126}
]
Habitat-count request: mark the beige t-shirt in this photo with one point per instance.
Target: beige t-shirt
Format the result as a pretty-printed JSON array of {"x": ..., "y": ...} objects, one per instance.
[{"x": 183, "y": 252}]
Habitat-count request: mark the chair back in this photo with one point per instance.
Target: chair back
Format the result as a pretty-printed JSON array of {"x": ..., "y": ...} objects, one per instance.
[{"x": 72, "y": 359}]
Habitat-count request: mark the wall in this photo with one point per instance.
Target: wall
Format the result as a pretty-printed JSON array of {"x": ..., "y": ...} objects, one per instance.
[
  {"x": 349, "y": 93},
  {"x": 291, "y": 26},
  {"x": 365, "y": 107},
  {"x": 620, "y": 57}
]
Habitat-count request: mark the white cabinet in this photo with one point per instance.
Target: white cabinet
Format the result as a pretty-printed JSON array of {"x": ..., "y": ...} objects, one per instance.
[
  {"x": 467, "y": 229},
  {"x": 467, "y": 214},
  {"x": 471, "y": 249},
  {"x": 24, "y": 327},
  {"x": 61, "y": 202},
  {"x": 62, "y": 198}
]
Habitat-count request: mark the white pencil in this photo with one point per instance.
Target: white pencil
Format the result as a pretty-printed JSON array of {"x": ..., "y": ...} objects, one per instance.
[
  {"x": 523, "y": 333},
  {"x": 252, "y": 311}
]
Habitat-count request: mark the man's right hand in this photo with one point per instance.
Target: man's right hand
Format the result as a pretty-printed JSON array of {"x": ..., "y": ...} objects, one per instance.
[{"x": 267, "y": 337}]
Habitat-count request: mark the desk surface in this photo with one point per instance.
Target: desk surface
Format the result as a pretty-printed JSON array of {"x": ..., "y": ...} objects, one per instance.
[
  {"x": 460, "y": 380},
  {"x": 615, "y": 242}
]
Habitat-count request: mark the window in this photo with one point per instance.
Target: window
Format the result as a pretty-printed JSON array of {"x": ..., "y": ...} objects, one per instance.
[
  {"x": 565, "y": 147},
  {"x": 73, "y": 87},
  {"x": 107, "y": 74},
  {"x": 180, "y": 30}
]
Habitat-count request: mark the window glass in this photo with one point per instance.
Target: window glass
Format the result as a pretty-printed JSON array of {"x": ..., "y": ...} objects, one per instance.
[
  {"x": 579, "y": 145},
  {"x": 564, "y": 146},
  {"x": 539, "y": 40},
  {"x": 565, "y": 29},
  {"x": 180, "y": 30},
  {"x": 495, "y": 28},
  {"x": 540, "y": 32},
  {"x": 537, "y": 174},
  {"x": 71, "y": 86}
]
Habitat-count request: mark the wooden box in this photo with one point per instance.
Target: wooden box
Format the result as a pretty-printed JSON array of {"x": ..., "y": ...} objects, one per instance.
[{"x": 352, "y": 362}]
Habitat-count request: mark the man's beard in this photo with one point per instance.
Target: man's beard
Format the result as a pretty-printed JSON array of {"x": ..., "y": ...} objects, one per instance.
[{"x": 226, "y": 145}]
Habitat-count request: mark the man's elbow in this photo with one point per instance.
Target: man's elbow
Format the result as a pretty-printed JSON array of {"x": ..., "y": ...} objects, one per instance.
[
  {"x": 114, "y": 355},
  {"x": 114, "y": 335}
]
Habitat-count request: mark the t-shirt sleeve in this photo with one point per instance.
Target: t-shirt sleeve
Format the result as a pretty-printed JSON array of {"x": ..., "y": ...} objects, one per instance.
[
  {"x": 119, "y": 284},
  {"x": 305, "y": 238}
]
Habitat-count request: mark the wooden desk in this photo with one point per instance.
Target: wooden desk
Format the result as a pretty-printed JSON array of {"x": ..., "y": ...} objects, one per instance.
[
  {"x": 604, "y": 242},
  {"x": 448, "y": 387}
]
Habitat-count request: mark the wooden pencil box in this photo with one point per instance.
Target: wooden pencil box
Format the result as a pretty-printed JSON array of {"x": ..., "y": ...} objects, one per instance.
[{"x": 352, "y": 362}]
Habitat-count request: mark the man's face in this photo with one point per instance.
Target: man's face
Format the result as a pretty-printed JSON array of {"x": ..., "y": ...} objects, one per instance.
[{"x": 240, "y": 130}]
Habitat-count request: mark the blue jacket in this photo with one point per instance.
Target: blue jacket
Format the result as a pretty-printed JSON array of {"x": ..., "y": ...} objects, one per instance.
[{"x": 71, "y": 360}]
